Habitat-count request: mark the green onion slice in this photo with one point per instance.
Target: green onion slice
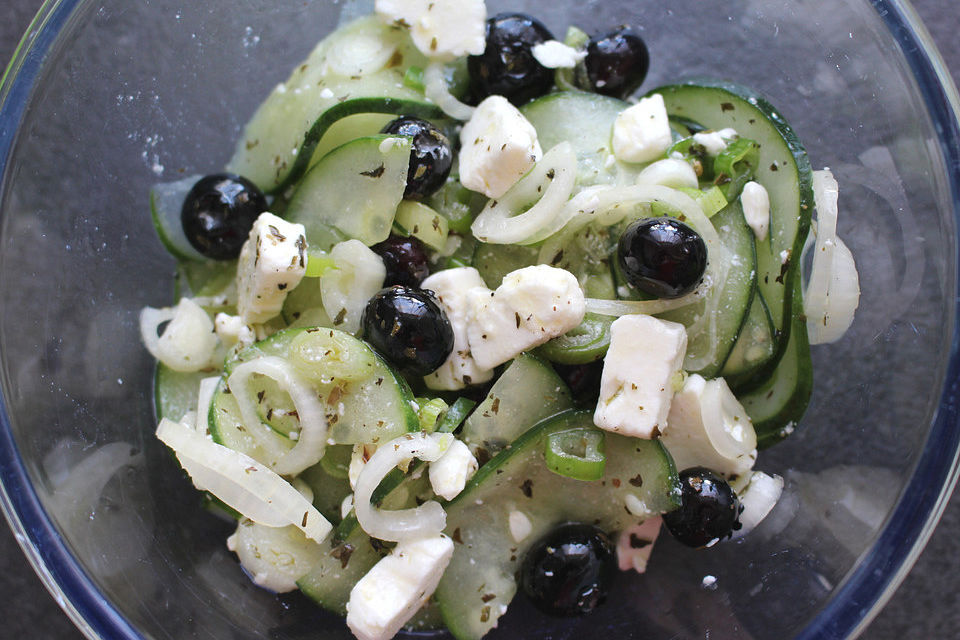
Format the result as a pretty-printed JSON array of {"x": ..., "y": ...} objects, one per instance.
[
  {"x": 585, "y": 343},
  {"x": 576, "y": 453}
]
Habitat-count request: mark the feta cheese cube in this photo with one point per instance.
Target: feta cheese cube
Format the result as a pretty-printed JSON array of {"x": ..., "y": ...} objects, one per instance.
[
  {"x": 635, "y": 544},
  {"x": 460, "y": 369},
  {"x": 707, "y": 426},
  {"x": 641, "y": 133},
  {"x": 272, "y": 262},
  {"x": 498, "y": 146},
  {"x": 450, "y": 473},
  {"x": 555, "y": 55},
  {"x": 440, "y": 29},
  {"x": 636, "y": 385},
  {"x": 531, "y": 306},
  {"x": 397, "y": 586},
  {"x": 756, "y": 208},
  {"x": 346, "y": 289},
  {"x": 715, "y": 141}
]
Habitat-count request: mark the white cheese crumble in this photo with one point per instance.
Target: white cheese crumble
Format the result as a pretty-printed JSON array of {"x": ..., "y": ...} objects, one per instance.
[
  {"x": 449, "y": 474},
  {"x": 520, "y": 525},
  {"x": 715, "y": 141},
  {"x": 272, "y": 262},
  {"x": 645, "y": 354},
  {"x": 641, "y": 133},
  {"x": 555, "y": 55},
  {"x": 756, "y": 208},
  {"x": 397, "y": 586},
  {"x": 459, "y": 369},
  {"x": 707, "y": 426},
  {"x": 531, "y": 306},
  {"x": 498, "y": 146},
  {"x": 233, "y": 331},
  {"x": 440, "y": 29}
]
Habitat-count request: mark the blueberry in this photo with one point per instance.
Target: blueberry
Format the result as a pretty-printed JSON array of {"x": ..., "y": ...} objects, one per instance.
[
  {"x": 219, "y": 212},
  {"x": 568, "y": 572},
  {"x": 709, "y": 509},
  {"x": 662, "y": 257},
  {"x": 409, "y": 328},
  {"x": 431, "y": 155},
  {"x": 507, "y": 66},
  {"x": 405, "y": 260},
  {"x": 617, "y": 62}
]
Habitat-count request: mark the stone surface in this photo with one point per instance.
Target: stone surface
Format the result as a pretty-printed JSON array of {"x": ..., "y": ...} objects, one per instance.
[{"x": 925, "y": 605}]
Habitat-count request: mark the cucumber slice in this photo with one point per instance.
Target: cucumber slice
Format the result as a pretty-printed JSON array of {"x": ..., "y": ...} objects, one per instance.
[
  {"x": 783, "y": 169},
  {"x": 338, "y": 568},
  {"x": 528, "y": 391},
  {"x": 585, "y": 120},
  {"x": 423, "y": 223},
  {"x": 329, "y": 491},
  {"x": 754, "y": 345},
  {"x": 734, "y": 298},
  {"x": 480, "y": 580},
  {"x": 342, "y": 131},
  {"x": 355, "y": 189},
  {"x": 175, "y": 392},
  {"x": 777, "y": 406},
  {"x": 375, "y": 408},
  {"x": 357, "y": 69},
  {"x": 166, "y": 203}
]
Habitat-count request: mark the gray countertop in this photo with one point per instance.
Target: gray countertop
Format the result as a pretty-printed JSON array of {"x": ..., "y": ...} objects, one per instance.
[{"x": 925, "y": 605}]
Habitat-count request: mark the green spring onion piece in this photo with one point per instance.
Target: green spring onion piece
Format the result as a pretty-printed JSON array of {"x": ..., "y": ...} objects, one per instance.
[
  {"x": 585, "y": 343},
  {"x": 711, "y": 199},
  {"x": 429, "y": 412},
  {"x": 318, "y": 263},
  {"x": 576, "y": 453},
  {"x": 336, "y": 460},
  {"x": 735, "y": 166},
  {"x": 455, "y": 415},
  {"x": 413, "y": 78}
]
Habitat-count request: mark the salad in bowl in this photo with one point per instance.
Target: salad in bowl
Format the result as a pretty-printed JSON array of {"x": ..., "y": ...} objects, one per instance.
[{"x": 471, "y": 312}]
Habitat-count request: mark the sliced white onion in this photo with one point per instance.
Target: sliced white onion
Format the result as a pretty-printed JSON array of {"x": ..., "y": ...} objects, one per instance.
[
  {"x": 346, "y": 289},
  {"x": 188, "y": 342},
  {"x": 669, "y": 172},
  {"x": 312, "y": 439},
  {"x": 554, "y": 175},
  {"x": 204, "y": 397},
  {"x": 241, "y": 482},
  {"x": 833, "y": 292},
  {"x": 404, "y": 524},
  {"x": 726, "y": 422},
  {"x": 436, "y": 91}
]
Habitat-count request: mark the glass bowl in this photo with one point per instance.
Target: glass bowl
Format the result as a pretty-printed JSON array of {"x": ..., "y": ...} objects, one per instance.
[{"x": 106, "y": 98}]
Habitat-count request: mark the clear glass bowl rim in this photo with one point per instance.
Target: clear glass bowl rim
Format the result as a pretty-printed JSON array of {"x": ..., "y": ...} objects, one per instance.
[{"x": 848, "y": 611}]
